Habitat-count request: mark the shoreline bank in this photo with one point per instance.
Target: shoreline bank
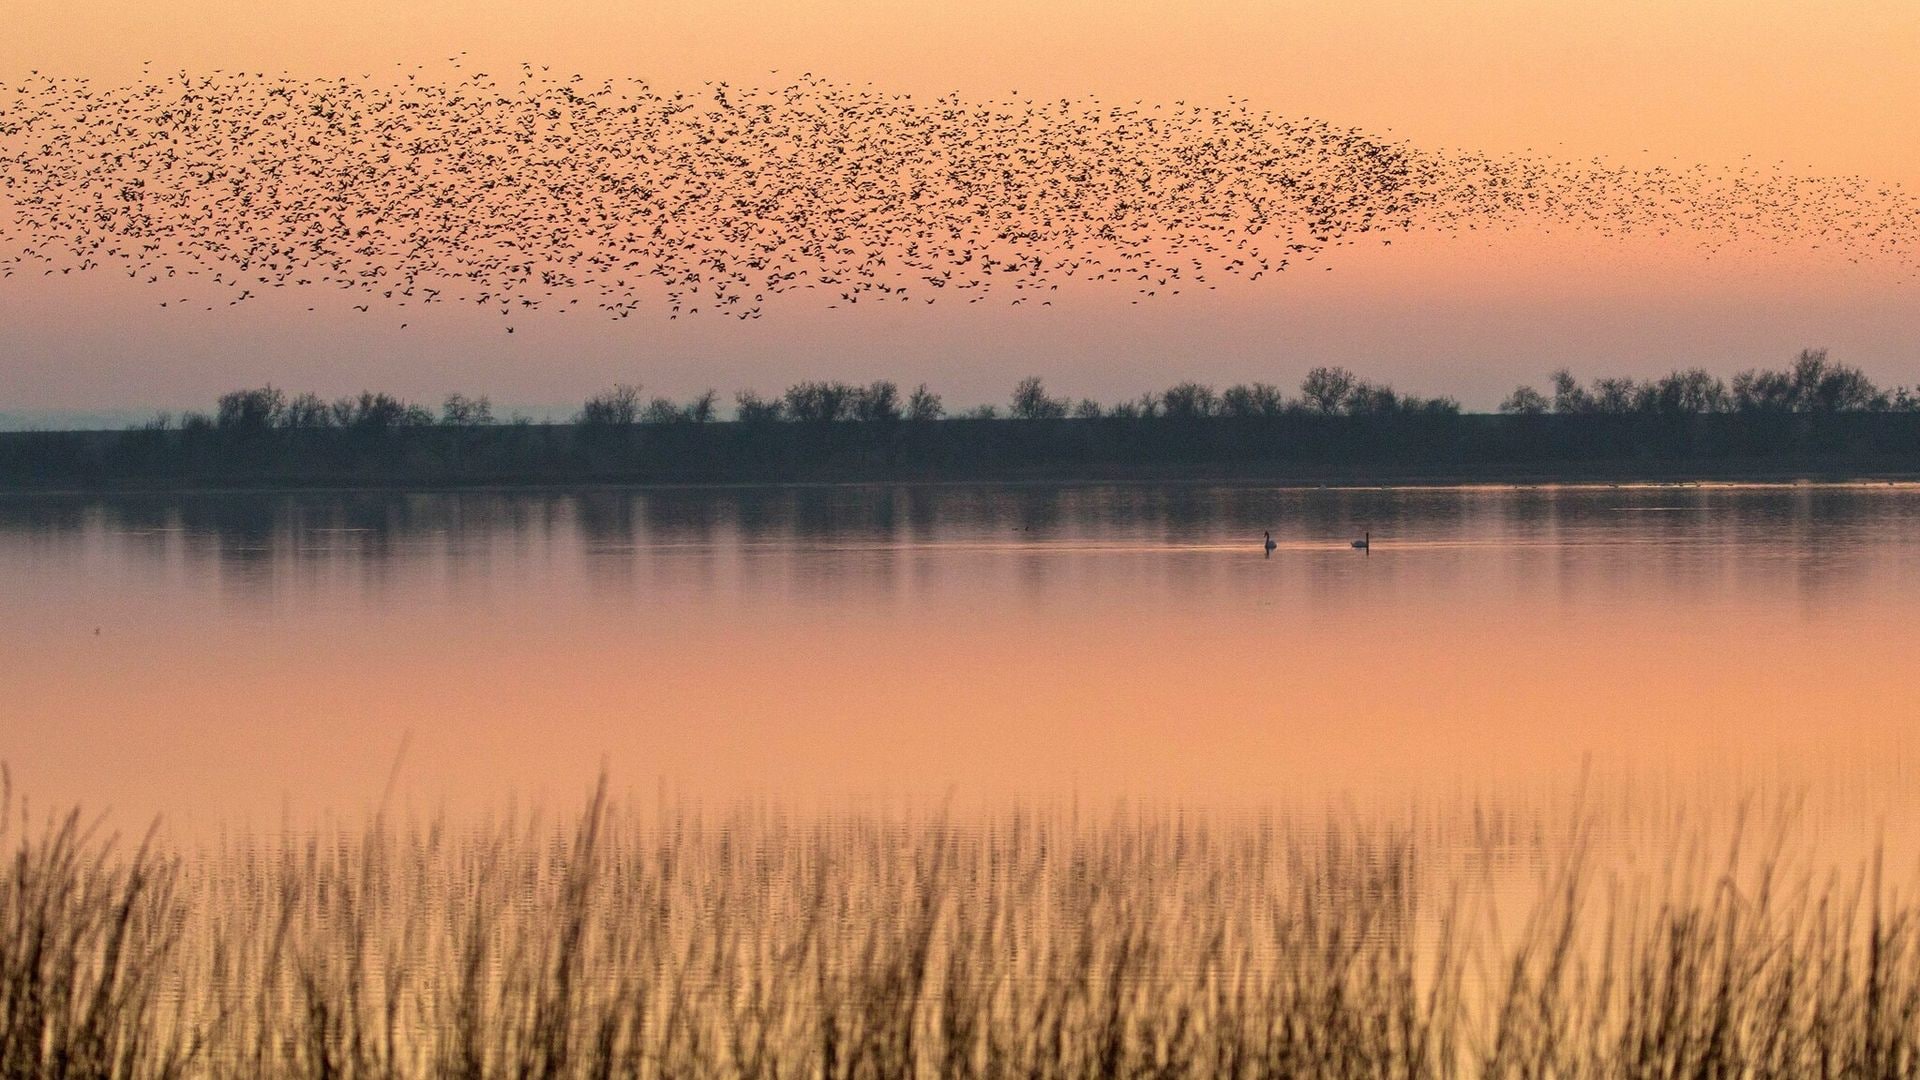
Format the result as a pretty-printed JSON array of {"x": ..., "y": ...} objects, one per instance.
[
  {"x": 1289, "y": 451},
  {"x": 1822, "y": 476}
]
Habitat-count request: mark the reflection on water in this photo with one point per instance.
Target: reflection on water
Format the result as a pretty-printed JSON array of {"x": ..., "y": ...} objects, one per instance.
[{"x": 226, "y": 653}]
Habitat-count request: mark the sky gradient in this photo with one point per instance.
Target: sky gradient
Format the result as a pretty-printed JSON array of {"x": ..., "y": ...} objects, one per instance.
[{"x": 1638, "y": 84}]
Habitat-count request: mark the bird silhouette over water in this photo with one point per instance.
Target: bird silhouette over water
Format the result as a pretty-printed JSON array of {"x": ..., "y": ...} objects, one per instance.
[
  {"x": 534, "y": 191},
  {"x": 1270, "y": 545},
  {"x": 1365, "y": 543}
]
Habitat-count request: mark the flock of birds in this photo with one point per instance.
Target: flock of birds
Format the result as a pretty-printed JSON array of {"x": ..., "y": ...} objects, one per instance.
[{"x": 530, "y": 190}]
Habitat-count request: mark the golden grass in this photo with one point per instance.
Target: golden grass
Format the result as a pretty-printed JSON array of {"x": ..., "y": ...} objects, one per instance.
[{"x": 1024, "y": 944}]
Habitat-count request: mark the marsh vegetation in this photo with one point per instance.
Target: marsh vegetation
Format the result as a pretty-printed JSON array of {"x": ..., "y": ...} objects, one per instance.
[{"x": 761, "y": 942}]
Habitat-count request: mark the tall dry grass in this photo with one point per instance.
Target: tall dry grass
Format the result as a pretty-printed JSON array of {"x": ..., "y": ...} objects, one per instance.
[{"x": 762, "y": 943}]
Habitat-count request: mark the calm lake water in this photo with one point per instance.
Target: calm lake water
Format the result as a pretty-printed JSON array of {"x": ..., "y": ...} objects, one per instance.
[{"x": 222, "y": 657}]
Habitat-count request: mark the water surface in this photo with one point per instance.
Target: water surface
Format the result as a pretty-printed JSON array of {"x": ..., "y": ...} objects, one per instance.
[{"x": 244, "y": 656}]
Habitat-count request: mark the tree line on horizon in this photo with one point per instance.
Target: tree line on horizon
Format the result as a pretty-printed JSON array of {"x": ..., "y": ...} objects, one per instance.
[
  {"x": 1812, "y": 410},
  {"x": 1812, "y": 383},
  {"x": 1326, "y": 391}
]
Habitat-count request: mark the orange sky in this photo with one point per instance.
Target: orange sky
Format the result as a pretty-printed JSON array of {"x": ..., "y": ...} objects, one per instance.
[
  {"x": 1822, "y": 88},
  {"x": 1821, "y": 85}
]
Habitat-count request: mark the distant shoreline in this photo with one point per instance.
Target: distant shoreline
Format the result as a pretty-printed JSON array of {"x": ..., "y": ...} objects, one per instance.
[
  {"x": 237, "y": 475},
  {"x": 1290, "y": 448},
  {"x": 1818, "y": 421}
]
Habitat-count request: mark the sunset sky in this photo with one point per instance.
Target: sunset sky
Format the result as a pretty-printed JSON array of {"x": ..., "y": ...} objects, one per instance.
[{"x": 1821, "y": 90}]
